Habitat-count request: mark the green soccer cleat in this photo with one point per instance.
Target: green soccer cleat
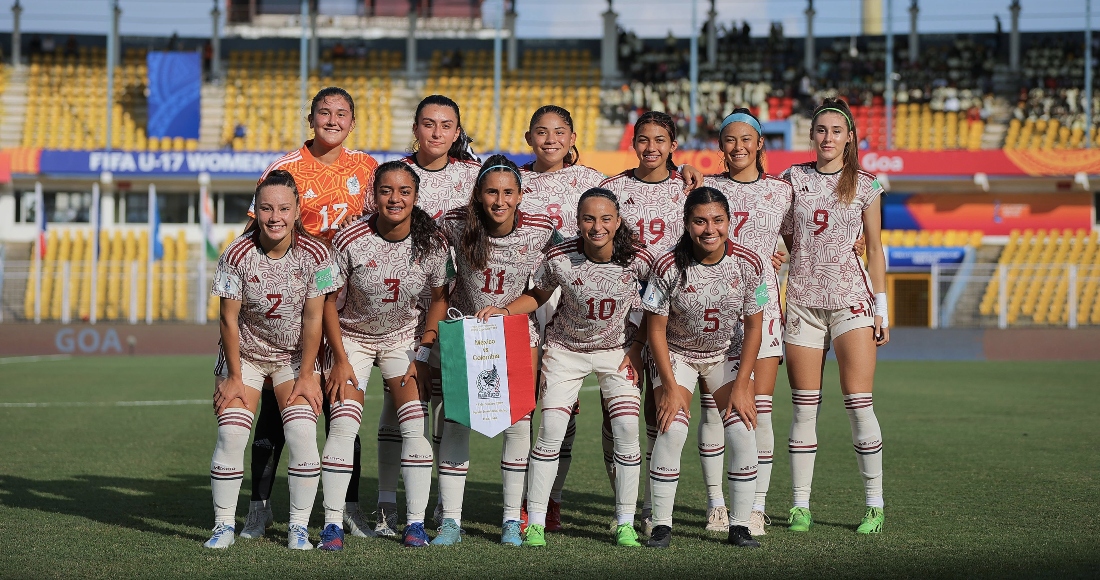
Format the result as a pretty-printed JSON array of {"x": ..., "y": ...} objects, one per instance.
[
  {"x": 534, "y": 536},
  {"x": 872, "y": 521},
  {"x": 626, "y": 536},
  {"x": 800, "y": 520}
]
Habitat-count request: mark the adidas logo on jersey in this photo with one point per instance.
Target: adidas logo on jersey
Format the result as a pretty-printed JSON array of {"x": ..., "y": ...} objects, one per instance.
[
  {"x": 372, "y": 264},
  {"x": 578, "y": 282},
  {"x": 310, "y": 194},
  {"x": 254, "y": 279},
  {"x": 629, "y": 200},
  {"x": 690, "y": 288}
]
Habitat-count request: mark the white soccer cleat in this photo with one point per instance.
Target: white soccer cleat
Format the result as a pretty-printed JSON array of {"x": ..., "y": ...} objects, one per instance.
[
  {"x": 259, "y": 518},
  {"x": 297, "y": 538},
  {"x": 222, "y": 537},
  {"x": 718, "y": 519},
  {"x": 387, "y": 520},
  {"x": 355, "y": 523},
  {"x": 757, "y": 521}
]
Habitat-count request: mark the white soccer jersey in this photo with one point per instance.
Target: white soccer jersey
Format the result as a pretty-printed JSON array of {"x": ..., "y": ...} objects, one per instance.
[
  {"x": 655, "y": 211},
  {"x": 557, "y": 193},
  {"x": 273, "y": 293},
  {"x": 444, "y": 189},
  {"x": 704, "y": 313},
  {"x": 384, "y": 283},
  {"x": 757, "y": 211},
  {"x": 511, "y": 262},
  {"x": 825, "y": 272},
  {"x": 596, "y": 297}
]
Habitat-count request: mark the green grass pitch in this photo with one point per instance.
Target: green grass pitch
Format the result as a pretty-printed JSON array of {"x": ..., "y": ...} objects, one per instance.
[{"x": 990, "y": 470}]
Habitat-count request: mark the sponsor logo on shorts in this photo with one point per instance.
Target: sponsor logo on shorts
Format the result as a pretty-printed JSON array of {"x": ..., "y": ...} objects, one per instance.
[{"x": 795, "y": 325}]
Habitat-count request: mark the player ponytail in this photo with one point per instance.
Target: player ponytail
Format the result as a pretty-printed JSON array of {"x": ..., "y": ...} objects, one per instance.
[
  {"x": 662, "y": 120},
  {"x": 623, "y": 244},
  {"x": 846, "y": 185},
  {"x": 760, "y": 151},
  {"x": 277, "y": 178},
  {"x": 684, "y": 252},
  {"x": 475, "y": 240},
  {"x": 574, "y": 155},
  {"x": 460, "y": 149},
  {"x": 425, "y": 233}
]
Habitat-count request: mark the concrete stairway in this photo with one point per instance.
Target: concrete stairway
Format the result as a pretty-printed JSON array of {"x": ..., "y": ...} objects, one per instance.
[
  {"x": 14, "y": 100},
  {"x": 213, "y": 116}
]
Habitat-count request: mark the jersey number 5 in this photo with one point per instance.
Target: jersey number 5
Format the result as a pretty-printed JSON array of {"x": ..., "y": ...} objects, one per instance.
[
  {"x": 821, "y": 220},
  {"x": 276, "y": 301},
  {"x": 710, "y": 315},
  {"x": 326, "y": 225}
]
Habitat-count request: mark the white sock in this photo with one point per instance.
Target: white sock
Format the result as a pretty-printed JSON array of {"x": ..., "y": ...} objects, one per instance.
[
  {"x": 742, "y": 469},
  {"x": 416, "y": 458},
  {"x": 304, "y": 466},
  {"x": 536, "y": 518},
  {"x": 565, "y": 458},
  {"x": 607, "y": 441},
  {"x": 336, "y": 461},
  {"x": 711, "y": 448},
  {"x": 802, "y": 443},
  {"x": 227, "y": 464},
  {"x": 454, "y": 462},
  {"x": 765, "y": 449},
  {"x": 513, "y": 466},
  {"x": 647, "y": 491},
  {"x": 664, "y": 469},
  {"x": 867, "y": 440},
  {"x": 436, "y": 407},
  {"x": 389, "y": 451},
  {"x": 628, "y": 454},
  {"x": 545, "y": 455}
]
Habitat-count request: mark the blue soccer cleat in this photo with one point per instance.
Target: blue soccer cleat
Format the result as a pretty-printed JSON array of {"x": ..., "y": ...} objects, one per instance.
[
  {"x": 415, "y": 536},
  {"x": 510, "y": 534},
  {"x": 449, "y": 533},
  {"x": 332, "y": 538}
]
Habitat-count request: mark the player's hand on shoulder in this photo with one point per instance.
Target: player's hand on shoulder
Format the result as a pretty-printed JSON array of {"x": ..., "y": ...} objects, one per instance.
[
  {"x": 692, "y": 177},
  {"x": 778, "y": 259}
]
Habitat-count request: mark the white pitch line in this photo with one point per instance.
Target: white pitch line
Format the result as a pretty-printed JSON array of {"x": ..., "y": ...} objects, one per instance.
[{"x": 27, "y": 359}]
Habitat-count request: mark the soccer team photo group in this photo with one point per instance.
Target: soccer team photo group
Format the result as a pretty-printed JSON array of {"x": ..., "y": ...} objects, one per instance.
[{"x": 610, "y": 261}]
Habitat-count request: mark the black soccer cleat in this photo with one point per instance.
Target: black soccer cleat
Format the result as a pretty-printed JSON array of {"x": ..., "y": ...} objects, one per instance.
[
  {"x": 739, "y": 536},
  {"x": 660, "y": 538}
]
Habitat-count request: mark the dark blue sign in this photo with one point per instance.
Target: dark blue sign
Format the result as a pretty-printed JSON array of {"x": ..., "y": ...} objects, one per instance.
[
  {"x": 923, "y": 257},
  {"x": 175, "y": 94}
]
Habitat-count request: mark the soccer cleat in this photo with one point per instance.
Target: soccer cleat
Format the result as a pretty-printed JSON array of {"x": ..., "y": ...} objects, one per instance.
[
  {"x": 510, "y": 534},
  {"x": 222, "y": 537},
  {"x": 415, "y": 536},
  {"x": 660, "y": 538},
  {"x": 438, "y": 515},
  {"x": 259, "y": 517},
  {"x": 553, "y": 516},
  {"x": 718, "y": 519},
  {"x": 757, "y": 521},
  {"x": 387, "y": 520},
  {"x": 800, "y": 520},
  {"x": 872, "y": 521},
  {"x": 355, "y": 523},
  {"x": 626, "y": 536},
  {"x": 740, "y": 537},
  {"x": 449, "y": 533},
  {"x": 297, "y": 538},
  {"x": 523, "y": 517},
  {"x": 332, "y": 538},
  {"x": 644, "y": 524},
  {"x": 534, "y": 536}
]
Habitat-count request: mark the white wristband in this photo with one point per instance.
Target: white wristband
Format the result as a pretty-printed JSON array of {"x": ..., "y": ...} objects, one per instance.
[
  {"x": 882, "y": 308},
  {"x": 422, "y": 353}
]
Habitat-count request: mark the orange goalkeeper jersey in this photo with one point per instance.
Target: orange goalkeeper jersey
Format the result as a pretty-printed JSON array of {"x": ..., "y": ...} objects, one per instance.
[{"x": 330, "y": 194}]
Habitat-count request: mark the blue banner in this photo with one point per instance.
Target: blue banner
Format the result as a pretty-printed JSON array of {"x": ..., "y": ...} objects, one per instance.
[
  {"x": 175, "y": 94},
  {"x": 923, "y": 257}
]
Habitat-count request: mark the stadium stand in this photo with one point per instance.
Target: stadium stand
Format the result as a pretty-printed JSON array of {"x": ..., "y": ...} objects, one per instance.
[
  {"x": 263, "y": 111},
  {"x": 931, "y": 238}
]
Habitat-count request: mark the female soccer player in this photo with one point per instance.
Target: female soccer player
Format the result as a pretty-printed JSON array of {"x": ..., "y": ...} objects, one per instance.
[
  {"x": 830, "y": 298},
  {"x": 497, "y": 248},
  {"x": 447, "y": 171},
  {"x": 696, "y": 297},
  {"x": 759, "y": 203},
  {"x": 332, "y": 181},
  {"x": 272, "y": 282},
  {"x": 600, "y": 273},
  {"x": 389, "y": 259}
]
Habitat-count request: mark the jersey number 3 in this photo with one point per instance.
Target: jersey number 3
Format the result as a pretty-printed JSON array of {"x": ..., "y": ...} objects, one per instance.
[{"x": 392, "y": 285}]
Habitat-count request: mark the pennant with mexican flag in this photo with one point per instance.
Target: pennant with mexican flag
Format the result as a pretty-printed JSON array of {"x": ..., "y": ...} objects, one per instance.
[{"x": 488, "y": 383}]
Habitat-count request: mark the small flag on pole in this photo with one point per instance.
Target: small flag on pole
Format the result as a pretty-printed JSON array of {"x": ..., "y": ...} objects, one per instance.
[
  {"x": 206, "y": 221},
  {"x": 40, "y": 219}
]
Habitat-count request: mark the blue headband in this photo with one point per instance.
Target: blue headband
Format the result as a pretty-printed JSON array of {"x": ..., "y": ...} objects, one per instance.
[
  {"x": 741, "y": 118},
  {"x": 486, "y": 171}
]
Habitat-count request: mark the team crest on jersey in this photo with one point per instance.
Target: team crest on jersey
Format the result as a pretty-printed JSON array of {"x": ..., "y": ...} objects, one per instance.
[
  {"x": 795, "y": 325},
  {"x": 353, "y": 185},
  {"x": 488, "y": 384}
]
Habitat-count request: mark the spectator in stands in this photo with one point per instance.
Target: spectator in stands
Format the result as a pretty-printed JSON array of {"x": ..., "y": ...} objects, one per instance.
[
  {"x": 207, "y": 56},
  {"x": 174, "y": 42},
  {"x": 48, "y": 45},
  {"x": 339, "y": 51},
  {"x": 35, "y": 45}
]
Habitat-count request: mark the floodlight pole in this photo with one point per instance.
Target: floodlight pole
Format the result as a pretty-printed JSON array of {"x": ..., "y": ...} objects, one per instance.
[
  {"x": 497, "y": 48},
  {"x": 215, "y": 42},
  {"x": 112, "y": 58},
  {"x": 16, "y": 36},
  {"x": 693, "y": 125},
  {"x": 1088, "y": 74},
  {"x": 303, "y": 63},
  {"x": 889, "y": 74}
]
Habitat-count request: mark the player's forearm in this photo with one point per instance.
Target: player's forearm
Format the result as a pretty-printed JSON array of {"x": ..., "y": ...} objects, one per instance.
[
  {"x": 312, "y": 319},
  {"x": 331, "y": 324},
  {"x": 526, "y": 303},
  {"x": 437, "y": 312}
]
